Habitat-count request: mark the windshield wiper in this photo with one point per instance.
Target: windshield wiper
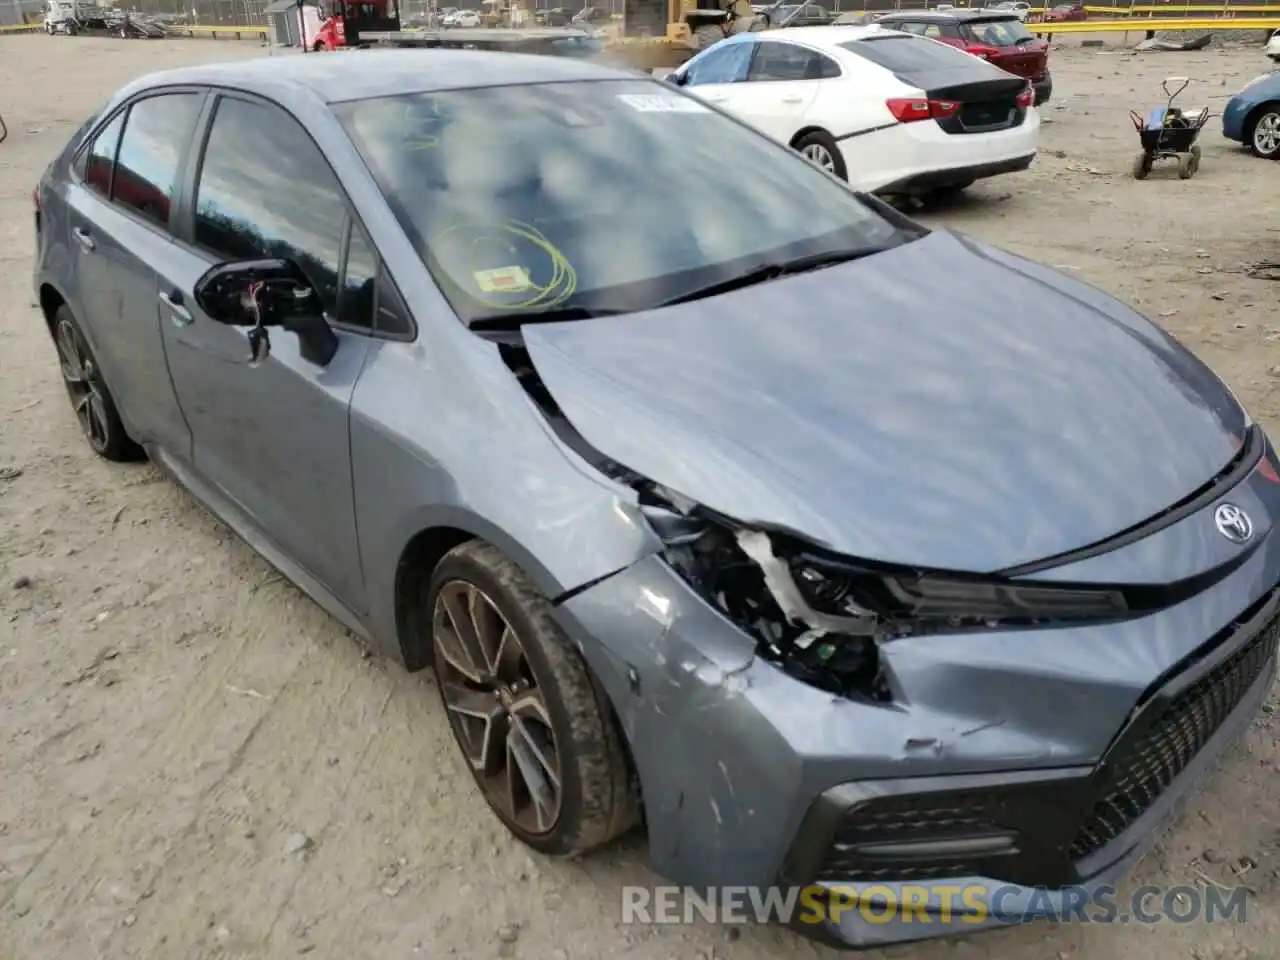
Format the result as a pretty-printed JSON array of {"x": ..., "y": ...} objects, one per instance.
[
  {"x": 516, "y": 319},
  {"x": 772, "y": 271}
]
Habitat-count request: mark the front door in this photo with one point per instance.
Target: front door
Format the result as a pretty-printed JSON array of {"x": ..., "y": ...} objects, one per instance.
[{"x": 274, "y": 436}]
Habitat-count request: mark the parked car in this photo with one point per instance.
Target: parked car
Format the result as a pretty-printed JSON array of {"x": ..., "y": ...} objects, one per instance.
[
  {"x": 889, "y": 112},
  {"x": 1252, "y": 116},
  {"x": 997, "y": 36},
  {"x": 468, "y": 18},
  {"x": 1066, "y": 12},
  {"x": 1272, "y": 47},
  {"x": 846, "y": 550},
  {"x": 1018, "y": 8}
]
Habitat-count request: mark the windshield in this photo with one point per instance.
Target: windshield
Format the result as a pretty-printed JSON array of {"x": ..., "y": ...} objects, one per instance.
[
  {"x": 601, "y": 196},
  {"x": 1000, "y": 33}
]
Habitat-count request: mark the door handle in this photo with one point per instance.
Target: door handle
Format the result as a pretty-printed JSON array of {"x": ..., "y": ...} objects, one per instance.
[
  {"x": 83, "y": 237},
  {"x": 792, "y": 99},
  {"x": 179, "y": 314}
]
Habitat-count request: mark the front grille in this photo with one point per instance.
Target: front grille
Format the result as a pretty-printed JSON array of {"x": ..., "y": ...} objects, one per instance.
[
  {"x": 1039, "y": 828},
  {"x": 1134, "y": 779}
]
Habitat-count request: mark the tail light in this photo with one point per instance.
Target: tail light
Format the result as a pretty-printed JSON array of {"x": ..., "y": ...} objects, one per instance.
[
  {"x": 986, "y": 53},
  {"x": 1026, "y": 98},
  {"x": 910, "y": 109}
]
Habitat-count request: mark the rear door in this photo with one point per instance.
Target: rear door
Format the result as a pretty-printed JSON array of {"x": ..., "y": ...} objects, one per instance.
[
  {"x": 782, "y": 84},
  {"x": 119, "y": 206}
]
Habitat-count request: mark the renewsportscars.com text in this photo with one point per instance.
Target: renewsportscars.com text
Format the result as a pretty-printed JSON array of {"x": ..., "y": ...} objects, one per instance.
[{"x": 934, "y": 903}]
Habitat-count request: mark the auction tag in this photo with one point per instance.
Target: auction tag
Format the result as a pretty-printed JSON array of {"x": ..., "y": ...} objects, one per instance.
[
  {"x": 662, "y": 103},
  {"x": 503, "y": 280}
]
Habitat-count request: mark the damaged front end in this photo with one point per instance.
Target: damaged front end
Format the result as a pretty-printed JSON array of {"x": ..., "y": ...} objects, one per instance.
[
  {"x": 822, "y": 618},
  {"x": 819, "y": 616}
]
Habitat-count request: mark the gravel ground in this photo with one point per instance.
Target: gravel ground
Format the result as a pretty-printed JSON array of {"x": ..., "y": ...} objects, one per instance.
[{"x": 198, "y": 762}]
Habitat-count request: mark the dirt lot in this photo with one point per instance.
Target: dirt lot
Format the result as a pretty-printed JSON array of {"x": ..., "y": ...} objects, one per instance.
[{"x": 198, "y": 762}]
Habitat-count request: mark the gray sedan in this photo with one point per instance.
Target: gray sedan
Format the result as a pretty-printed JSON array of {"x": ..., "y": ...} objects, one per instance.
[{"x": 834, "y": 550}]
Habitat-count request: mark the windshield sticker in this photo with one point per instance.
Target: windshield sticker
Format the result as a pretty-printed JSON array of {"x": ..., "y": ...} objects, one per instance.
[
  {"x": 503, "y": 280},
  {"x": 662, "y": 103}
]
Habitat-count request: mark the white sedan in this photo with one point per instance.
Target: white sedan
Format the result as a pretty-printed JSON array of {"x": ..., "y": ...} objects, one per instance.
[
  {"x": 887, "y": 111},
  {"x": 1272, "y": 49}
]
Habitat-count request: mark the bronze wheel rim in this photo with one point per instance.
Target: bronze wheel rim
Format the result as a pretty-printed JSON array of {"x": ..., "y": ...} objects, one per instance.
[
  {"x": 84, "y": 387},
  {"x": 496, "y": 709}
]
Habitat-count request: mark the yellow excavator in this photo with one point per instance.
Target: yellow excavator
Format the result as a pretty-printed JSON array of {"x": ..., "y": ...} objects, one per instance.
[{"x": 665, "y": 33}]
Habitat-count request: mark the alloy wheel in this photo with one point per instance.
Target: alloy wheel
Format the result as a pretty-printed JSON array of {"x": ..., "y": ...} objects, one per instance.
[
  {"x": 496, "y": 710},
  {"x": 1266, "y": 134},
  {"x": 817, "y": 153},
  {"x": 83, "y": 383}
]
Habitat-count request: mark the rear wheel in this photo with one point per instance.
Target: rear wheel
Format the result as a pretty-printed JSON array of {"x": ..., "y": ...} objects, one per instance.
[
  {"x": 1142, "y": 165},
  {"x": 1187, "y": 164},
  {"x": 539, "y": 737},
  {"x": 319, "y": 46},
  {"x": 1264, "y": 132},
  {"x": 90, "y": 399},
  {"x": 819, "y": 148}
]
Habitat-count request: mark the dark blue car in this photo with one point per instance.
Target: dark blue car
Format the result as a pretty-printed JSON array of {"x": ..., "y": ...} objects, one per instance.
[{"x": 1252, "y": 116}]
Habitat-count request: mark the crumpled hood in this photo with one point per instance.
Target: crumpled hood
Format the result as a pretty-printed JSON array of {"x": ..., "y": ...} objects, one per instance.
[{"x": 942, "y": 404}]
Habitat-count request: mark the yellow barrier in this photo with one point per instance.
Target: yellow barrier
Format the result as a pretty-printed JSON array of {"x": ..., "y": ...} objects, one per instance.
[
  {"x": 21, "y": 27},
  {"x": 1223, "y": 10},
  {"x": 239, "y": 32},
  {"x": 1134, "y": 25}
]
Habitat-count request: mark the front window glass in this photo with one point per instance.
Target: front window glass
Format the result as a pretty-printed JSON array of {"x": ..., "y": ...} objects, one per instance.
[{"x": 603, "y": 195}]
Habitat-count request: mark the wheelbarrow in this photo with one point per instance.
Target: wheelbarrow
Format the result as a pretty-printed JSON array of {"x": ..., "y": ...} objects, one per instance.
[{"x": 1169, "y": 133}]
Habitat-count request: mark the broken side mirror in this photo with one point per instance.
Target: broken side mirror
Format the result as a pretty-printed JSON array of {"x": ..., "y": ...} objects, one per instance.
[{"x": 260, "y": 294}]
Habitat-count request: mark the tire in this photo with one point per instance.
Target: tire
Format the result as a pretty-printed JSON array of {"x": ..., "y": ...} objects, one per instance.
[
  {"x": 819, "y": 148},
  {"x": 573, "y": 724},
  {"x": 319, "y": 47},
  {"x": 1262, "y": 135},
  {"x": 1187, "y": 164},
  {"x": 92, "y": 402},
  {"x": 707, "y": 35},
  {"x": 1142, "y": 165}
]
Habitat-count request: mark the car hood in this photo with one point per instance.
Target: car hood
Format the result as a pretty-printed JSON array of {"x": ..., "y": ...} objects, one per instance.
[{"x": 941, "y": 404}]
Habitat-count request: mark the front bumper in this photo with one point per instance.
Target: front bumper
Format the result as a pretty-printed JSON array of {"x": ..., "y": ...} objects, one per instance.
[{"x": 992, "y": 743}]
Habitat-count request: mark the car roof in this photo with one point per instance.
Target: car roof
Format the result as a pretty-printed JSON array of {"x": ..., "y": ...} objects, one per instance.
[
  {"x": 358, "y": 75},
  {"x": 949, "y": 15}
]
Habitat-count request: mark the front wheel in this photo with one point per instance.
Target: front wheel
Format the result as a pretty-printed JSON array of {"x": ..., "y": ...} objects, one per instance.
[
  {"x": 319, "y": 47},
  {"x": 820, "y": 149},
  {"x": 1264, "y": 134},
  {"x": 1142, "y": 165},
  {"x": 539, "y": 737},
  {"x": 1188, "y": 163}
]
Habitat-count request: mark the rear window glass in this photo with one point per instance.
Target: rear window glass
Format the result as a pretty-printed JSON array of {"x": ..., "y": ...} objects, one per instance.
[
  {"x": 908, "y": 54},
  {"x": 1000, "y": 33}
]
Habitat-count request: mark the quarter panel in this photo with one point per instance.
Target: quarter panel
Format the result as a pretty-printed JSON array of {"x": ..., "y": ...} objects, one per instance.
[{"x": 442, "y": 435}]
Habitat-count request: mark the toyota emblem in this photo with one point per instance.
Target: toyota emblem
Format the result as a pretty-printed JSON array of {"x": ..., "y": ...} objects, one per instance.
[{"x": 1233, "y": 523}]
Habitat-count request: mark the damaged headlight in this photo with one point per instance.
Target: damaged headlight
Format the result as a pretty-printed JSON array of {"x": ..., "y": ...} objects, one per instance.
[
  {"x": 904, "y": 597},
  {"x": 823, "y": 617}
]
